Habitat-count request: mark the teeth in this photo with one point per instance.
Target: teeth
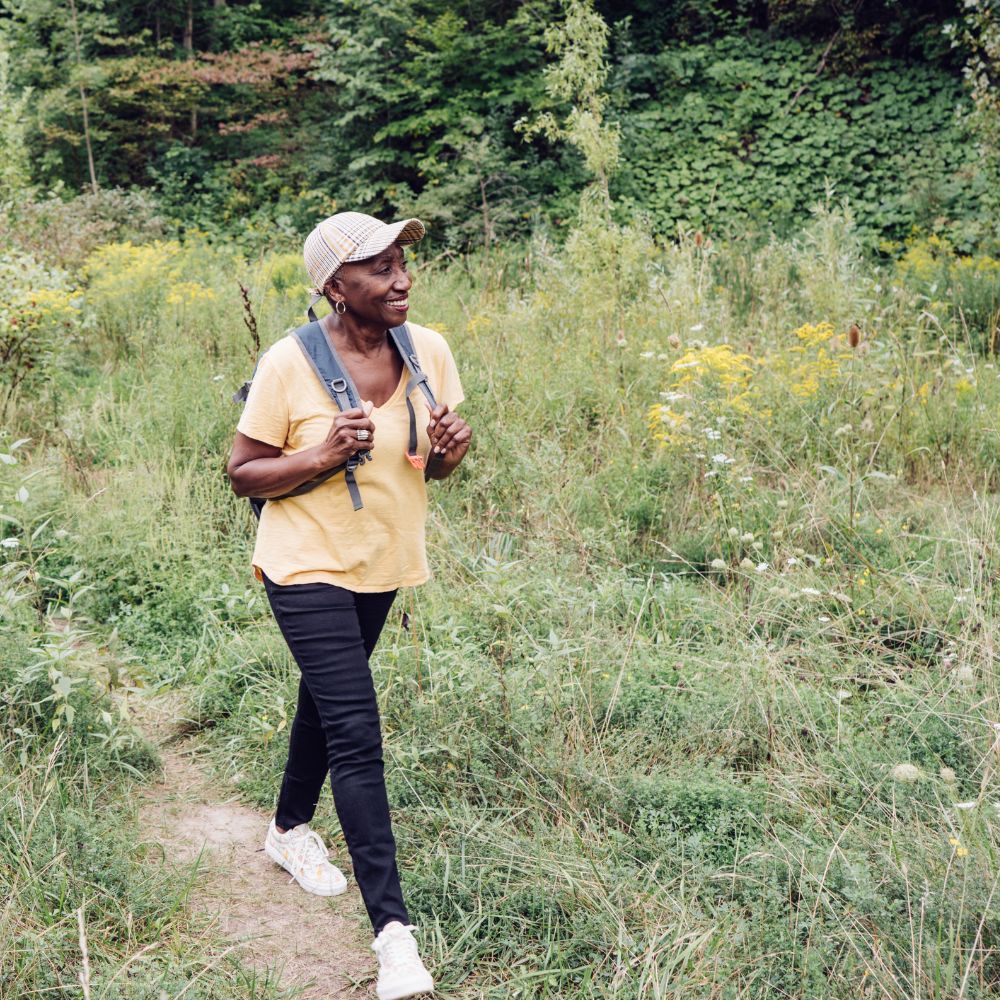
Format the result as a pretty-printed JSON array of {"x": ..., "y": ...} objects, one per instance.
[{"x": 397, "y": 303}]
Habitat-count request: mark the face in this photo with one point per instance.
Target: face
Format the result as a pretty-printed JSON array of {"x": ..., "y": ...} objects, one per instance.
[{"x": 376, "y": 291}]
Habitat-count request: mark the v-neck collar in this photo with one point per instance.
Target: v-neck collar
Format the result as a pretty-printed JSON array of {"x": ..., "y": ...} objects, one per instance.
[{"x": 403, "y": 377}]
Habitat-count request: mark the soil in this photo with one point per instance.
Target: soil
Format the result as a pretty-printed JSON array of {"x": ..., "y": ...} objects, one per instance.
[{"x": 310, "y": 943}]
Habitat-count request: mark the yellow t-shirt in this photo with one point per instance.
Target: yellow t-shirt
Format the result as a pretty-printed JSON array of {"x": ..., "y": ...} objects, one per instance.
[{"x": 319, "y": 537}]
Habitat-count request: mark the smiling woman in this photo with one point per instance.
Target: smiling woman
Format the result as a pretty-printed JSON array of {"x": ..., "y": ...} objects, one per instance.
[{"x": 331, "y": 573}]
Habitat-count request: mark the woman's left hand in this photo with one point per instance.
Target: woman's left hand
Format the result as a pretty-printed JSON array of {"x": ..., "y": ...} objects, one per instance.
[{"x": 450, "y": 437}]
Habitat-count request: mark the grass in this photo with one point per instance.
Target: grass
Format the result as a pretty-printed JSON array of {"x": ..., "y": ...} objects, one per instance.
[{"x": 697, "y": 708}]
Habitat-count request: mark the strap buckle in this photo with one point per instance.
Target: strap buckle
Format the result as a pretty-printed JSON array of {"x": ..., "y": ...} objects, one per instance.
[
  {"x": 416, "y": 460},
  {"x": 338, "y": 385}
]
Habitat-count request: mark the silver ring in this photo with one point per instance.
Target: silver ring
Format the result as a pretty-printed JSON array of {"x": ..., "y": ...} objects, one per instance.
[{"x": 363, "y": 434}]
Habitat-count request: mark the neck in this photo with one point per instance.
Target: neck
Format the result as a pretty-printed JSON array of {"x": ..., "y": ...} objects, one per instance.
[{"x": 349, "y": 332}]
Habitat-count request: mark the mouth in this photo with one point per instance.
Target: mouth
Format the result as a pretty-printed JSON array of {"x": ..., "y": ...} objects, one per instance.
[{"x": 401, "y": 305}]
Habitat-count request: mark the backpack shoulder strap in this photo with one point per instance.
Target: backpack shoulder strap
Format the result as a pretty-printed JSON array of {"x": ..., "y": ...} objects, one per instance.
[
  {"x": 325, "y": 362},
  {"x": 333, "y": 376},
  {"x": 404, "y": 344},
  {"x": 418, "y": 377}
]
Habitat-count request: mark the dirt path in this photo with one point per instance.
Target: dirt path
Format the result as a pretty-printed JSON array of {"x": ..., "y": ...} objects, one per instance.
[{"x": 308, "y": 942}]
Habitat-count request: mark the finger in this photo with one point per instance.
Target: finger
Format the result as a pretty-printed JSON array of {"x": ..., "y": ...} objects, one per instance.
[
  {"x": 448, "y": 436},
  {"x": 441, "y": 427},
  {"x": 437, "y": 413},
  {"x": 457, "y": 446},
  {"x": 367, "y": 405},
  {"x": 355, "y": 423},
  {"x": 352, "y": 414}
]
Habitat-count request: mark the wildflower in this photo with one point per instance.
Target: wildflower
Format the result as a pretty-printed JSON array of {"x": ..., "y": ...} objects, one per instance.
[
  {"x": 698, "y": 327},
  {"x": 762, "y": 567},
  {"x": 757, "y": 546},
  {"x": 746, "y": 479},
  {"x": 843, "y": 695},
  {"x": 854, "y": 335},
  {"x": 733, "y": 532},
  {"x": 824, "y": 618},
  {"x": 712, "y": 434},
  {"x": 218, "y": 378},
  {"x": 8, "y": 459},
  {"x": 747, "y": 537},
  {"x": 842, "y": 430},
  {"x": 844, "y": 598},
  {"x": 782, "y": 504},
  {"x": 810, "y": 591},
  {"x": 791, "y": 561},
  {"x": 722, "y": 459},
  {"x": 953, "y": 841},
  {"x": 961, "y": 852},
  {"x": 674, "y": 341},
  {"x": 966, "y": 806},
  {"x": 907, "y": 774},
  {"x": 646, "y": 354},
  {"x": 965, "y": 675},
  {"x": 718, "y": 564},
  {"x": 746, "y": 564},
  {"x": 10, "y": 543}
]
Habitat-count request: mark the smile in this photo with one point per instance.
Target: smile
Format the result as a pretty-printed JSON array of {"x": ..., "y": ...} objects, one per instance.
[{"x": 397, "y": 303}]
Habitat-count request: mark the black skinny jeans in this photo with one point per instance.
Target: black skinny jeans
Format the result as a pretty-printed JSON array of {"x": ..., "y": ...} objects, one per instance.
[{"x": 331, "y": 632}]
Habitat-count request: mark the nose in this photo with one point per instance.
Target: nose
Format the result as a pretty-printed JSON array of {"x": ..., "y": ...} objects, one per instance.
[{"x": 402, "y": 282}]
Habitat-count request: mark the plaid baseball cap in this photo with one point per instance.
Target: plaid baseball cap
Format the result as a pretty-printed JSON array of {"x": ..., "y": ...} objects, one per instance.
[{"x": 351, "y": 236}]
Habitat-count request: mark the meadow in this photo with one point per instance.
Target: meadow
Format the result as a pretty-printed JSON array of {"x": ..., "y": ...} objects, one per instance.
[{"x": 701, "y": 700}]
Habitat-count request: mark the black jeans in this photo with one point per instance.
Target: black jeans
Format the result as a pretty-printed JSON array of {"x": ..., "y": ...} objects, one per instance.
[{"x": 331, "y": 632}]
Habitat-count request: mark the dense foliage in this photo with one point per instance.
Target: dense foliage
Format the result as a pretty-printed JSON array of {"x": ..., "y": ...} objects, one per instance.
[
  {"x": 701, "y": 700},
  {"x": 244, "y": 117}
]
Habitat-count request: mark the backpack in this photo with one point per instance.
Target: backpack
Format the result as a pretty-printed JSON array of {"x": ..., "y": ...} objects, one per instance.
[{"x": 333, "y": 376}]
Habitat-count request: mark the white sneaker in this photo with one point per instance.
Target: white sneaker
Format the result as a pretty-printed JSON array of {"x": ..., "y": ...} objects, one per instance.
[
  {"x": 400, "y": 972},
  {"x": 302, "y": 852}
]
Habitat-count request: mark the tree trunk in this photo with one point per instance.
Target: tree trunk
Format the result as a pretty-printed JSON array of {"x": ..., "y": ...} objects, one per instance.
[
  {"x": 189, "y": 48},
  {"x": 83, "y": 101}
]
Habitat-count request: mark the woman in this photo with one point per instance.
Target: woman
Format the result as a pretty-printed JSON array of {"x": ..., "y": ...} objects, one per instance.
[{"x": 331, "y": 571}]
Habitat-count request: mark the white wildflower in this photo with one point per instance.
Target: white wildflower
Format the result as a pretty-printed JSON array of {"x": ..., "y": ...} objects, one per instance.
[
  {"x": 966, "y": 806},
  {"x": 698, "y": 327},
  {"x": 733, "y": 532},
  {"x": 747, "y": 564},
  {"x": 10, "y": 543},
  {"x": 762, "y": 567},
  {"x": 906, "y": 773},
  {"x": 722, "y": 459},
  {"x": 718, "y": 564},
  {"x": 948, "y": 776},
  {"x": 747, "y": 537}
]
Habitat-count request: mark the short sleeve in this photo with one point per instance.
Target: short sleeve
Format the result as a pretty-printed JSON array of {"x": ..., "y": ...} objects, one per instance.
[
  {"x": 449, "y": 385},
  {"x": 265, "y": 416}
]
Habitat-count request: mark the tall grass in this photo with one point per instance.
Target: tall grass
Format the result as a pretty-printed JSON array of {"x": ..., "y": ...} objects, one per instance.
[{"x": 707, "y": 711}]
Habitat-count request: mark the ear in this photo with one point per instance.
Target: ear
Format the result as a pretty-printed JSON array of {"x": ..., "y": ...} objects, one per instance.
[{"x": 333, "y": 288}]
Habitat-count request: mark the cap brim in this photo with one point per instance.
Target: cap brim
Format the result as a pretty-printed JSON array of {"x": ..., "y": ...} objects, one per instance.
[{"x": 404, "y": 233}]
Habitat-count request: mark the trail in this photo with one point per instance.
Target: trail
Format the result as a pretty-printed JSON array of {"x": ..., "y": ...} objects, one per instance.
[{"x": 315, "y": 944}]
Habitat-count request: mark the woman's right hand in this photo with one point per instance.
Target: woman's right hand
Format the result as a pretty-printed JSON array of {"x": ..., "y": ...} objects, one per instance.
[{"x": 342, "y": 438}]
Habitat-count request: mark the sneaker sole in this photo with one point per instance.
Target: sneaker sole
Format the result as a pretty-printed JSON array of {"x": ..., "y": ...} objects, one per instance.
[
  {"x": 316, "y": 888},
  {"x": 416, "y": 987}
]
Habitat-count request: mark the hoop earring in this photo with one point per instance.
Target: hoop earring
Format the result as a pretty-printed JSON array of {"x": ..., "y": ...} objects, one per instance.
[{"x": 340, "y": 307}]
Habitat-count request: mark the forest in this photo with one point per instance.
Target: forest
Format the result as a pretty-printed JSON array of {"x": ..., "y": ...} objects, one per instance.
[
  {"x": 701, "y": 700},
  {"x": 733, "y": 114}
]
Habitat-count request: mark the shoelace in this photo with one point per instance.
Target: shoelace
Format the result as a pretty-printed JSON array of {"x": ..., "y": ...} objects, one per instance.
[
  {"x": 398, "y": 948},
  {"x": 313, "y": 849}
]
